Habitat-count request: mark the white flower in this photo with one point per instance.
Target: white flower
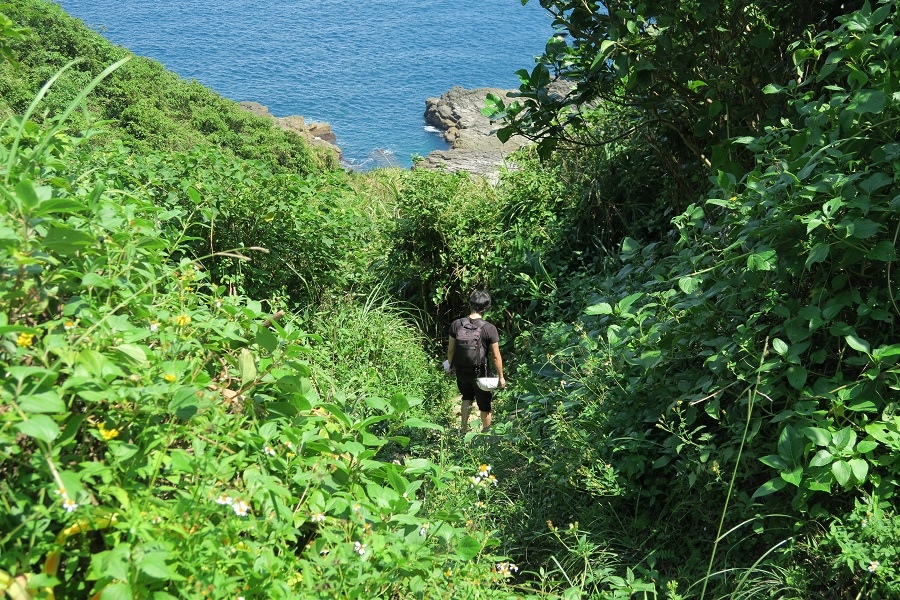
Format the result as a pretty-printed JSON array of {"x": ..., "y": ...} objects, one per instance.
[
  {"x": 69, "y": 504},
  {"x": 424, "y": 530},
  {"x": 154, "y": 326},
  {"x": 873, "y": 566},
  {"x": 317, "y": 517},
  {"x": 359, "y": 548},
  {"x": 483, "y": 470},
  {"x": 269, "y": 450},
  {"x": 241, "y": 508},
  {"x": 156, "y": 520},
  {"x": 224, "y": 499}
]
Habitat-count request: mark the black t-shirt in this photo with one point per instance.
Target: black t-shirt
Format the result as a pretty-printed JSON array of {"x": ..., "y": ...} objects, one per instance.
[{"x": 489, "y": 336}]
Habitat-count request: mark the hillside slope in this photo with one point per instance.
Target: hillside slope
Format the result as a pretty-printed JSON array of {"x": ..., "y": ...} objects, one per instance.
[{"x": 150, "y": 108}]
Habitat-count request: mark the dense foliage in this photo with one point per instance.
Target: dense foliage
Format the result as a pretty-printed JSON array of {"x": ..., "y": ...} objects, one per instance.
[
  {"x": 215, "y": 388},
  {"x": 162, "y": 437}
]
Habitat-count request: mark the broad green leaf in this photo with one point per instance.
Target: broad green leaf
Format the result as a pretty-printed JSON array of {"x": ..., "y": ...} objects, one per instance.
[
  {"x": 770, "y": 487},
  {"x": 266, "y": 339},
  {"x": 117, "y": 591},
  {"x": 821, "y": 459},
  {"x": 43, "y": 402},
  {"x": 27, "y": 194},
  {"x": 765, "y": 260},
  {"x": 841, "y": 471},
  {"x": 40, "y": 427},
  {"x": 59, "y": 205},
  {"x": 796, "y": 376},
  {"x": 883, "y": 352},
  {"x": 819, "y": 436},
  {"x": 338, "y": 414},
  {"x": 794, "y": 476},
  {"x": 883, "y": 251},
  {"x": 774, "y": 461},
  {"x": 861, "y": 228},
  {"x": 133, "y": 354},
  {"x": 630, "y": 245},
  {"x": 817, "y": 254},
  {"x": 790, "y": 445},
  {"x": 153, "y": 564},
  {"x": 866, "y": 446},
  {"x": 844, "y": 439},
  {"x": 688, "y": 285},
  {"x": 184, "y": 403},
  {"x": 863, "y": 406},
  {"x": 857, "y": 343},
  {"x": 779, "y": 346},
  {"x": 626, "y": 302},
  {"x": 860, "y": 469},
  {"x": 66, "y": 241},
  {"x": 268, "y": 430},
  {"x": 364, "y": 424},
  {"x": 420, "y": 424},
  {"x": 248, "y": 367},
  {"x": 468, "y": 547},
  {"x": 603, "y": 308},
  {"x": 400, "y": 403},
  {"x": 868, "y": 101}
]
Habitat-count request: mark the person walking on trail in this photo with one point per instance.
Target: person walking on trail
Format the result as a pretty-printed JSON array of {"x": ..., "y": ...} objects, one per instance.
[{"x": 472, "y": 339}]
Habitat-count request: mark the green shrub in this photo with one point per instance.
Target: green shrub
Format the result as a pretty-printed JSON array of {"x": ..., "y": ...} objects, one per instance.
[{"x": 161, "y": 437}]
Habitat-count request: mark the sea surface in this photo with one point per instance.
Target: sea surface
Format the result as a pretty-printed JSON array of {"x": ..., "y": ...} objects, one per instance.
[{"x": 364, "y": 66}]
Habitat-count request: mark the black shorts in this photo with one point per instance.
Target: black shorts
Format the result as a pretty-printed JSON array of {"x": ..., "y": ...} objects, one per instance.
[{"x": 465, "y": 382}]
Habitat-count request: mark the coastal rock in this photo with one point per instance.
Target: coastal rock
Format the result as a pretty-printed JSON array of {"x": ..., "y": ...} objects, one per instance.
[
  {"x": 319, "y": 135},
  {"x": 474, "y": 146}
]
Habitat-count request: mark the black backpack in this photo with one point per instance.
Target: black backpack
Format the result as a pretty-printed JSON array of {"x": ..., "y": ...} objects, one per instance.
[{"x": 469, "y": 348}]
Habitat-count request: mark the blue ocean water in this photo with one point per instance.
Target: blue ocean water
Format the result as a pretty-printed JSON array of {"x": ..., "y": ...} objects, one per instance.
[{"x": 366, "y": 67}]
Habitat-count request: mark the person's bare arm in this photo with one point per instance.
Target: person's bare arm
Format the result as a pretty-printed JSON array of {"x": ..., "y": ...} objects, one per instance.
[{"x": 498, "y": 363}]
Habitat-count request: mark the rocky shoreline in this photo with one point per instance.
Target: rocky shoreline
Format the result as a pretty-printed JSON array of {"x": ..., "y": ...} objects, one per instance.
[
  {"x": 474, "y": 146},
  {"x": 319, "y": 135}
]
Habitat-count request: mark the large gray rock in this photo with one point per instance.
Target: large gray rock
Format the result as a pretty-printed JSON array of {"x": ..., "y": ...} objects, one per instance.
[
  {"x": 474, "y": 146},
  {"x": 458, "y": 114},
  {"x": 318, "y": 135}
]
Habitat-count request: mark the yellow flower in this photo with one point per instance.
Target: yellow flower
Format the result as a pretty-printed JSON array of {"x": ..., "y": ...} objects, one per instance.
[
  {"x": 69, "y": 325},
  {"x": 108, "y": 434},
  {"x": 170, "y": 377},
  {"x": 25, "y": 340},
  {"x": 182, "y": 320}
]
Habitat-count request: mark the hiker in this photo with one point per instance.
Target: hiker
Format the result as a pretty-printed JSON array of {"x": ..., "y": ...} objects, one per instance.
[{"x": 471, "y": 340}]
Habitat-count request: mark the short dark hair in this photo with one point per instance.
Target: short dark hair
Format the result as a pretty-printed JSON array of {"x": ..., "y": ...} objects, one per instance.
[{"x": 479, "y": 301}]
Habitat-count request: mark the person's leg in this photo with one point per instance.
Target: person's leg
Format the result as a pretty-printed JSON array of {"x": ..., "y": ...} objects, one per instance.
[
  {"x": 464, "y": 416},
  {"x": 485, "y": 421},
  {"x": 467, "y": 389},
  {"x": 484, "y": 406}
]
